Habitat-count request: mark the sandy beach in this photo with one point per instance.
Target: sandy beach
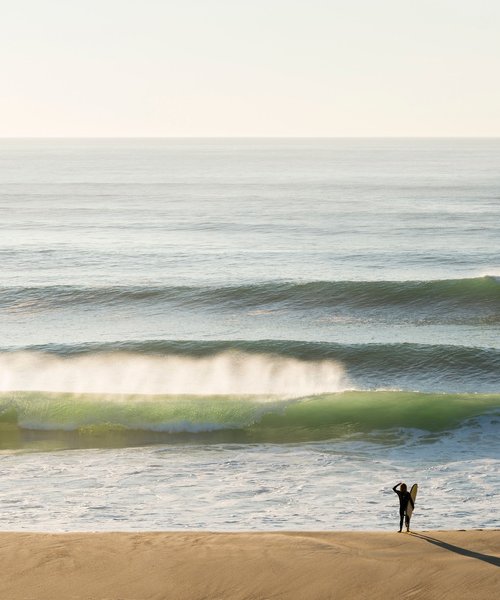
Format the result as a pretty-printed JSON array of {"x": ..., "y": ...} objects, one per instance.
[{"x": 293, "y": 565}]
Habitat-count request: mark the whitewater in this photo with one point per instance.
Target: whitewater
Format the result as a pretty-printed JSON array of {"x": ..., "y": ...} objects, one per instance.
[{"x": 248, "y": 334}]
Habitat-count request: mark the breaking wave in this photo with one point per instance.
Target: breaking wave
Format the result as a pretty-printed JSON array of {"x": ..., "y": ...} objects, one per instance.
[
  {"x": 244, "y": 418},
  {"x": 286, "y": 367}
]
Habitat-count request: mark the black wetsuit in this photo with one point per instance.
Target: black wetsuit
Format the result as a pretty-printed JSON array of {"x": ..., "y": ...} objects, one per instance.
[{"x": 404, "y": 498}]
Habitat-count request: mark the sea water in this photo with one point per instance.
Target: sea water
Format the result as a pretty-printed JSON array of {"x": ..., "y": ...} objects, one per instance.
[{"x": 252, "y": 334}]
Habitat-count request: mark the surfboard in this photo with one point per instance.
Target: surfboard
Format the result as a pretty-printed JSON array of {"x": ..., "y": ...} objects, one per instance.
[{"x": 413, "y": 494}]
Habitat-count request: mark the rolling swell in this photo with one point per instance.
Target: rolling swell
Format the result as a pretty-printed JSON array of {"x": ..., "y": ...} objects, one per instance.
[
  {"x": 241, "y": 418},
  {"x": 480, "y": 296}
]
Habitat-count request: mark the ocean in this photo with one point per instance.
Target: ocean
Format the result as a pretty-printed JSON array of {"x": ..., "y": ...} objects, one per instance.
[{"x": 249, "y": 334}]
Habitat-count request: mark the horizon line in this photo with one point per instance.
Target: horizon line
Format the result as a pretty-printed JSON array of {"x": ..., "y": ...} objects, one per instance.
[{"x": 250, "y": 137}]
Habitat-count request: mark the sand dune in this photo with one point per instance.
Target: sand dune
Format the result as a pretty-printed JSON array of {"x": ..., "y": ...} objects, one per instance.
[{"x": 296, "y": 565}]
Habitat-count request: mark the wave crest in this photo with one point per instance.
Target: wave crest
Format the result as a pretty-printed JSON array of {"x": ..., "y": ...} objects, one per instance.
[{"x": 227, "y": 373}]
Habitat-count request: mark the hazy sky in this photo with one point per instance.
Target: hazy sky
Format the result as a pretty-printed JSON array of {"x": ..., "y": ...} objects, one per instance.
[{"x": 250, "y": 67}]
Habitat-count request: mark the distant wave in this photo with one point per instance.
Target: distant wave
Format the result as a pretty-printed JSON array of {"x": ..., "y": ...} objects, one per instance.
[
  {"x": 289, "y": 367},
  {"x": 479, "y": 295},
  {"x": 272, "y": 420}
]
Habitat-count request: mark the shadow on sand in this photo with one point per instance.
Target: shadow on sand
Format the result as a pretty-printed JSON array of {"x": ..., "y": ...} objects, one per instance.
[{"x": 492, "y": 560}]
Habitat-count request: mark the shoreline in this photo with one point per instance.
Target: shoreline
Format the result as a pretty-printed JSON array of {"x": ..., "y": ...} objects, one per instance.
[{"x": 242, "y": 565}]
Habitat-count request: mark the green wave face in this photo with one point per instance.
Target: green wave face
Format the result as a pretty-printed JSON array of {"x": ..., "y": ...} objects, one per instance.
[
  {"x": 32, "y": 419},
  {"x": 364, "y": 412}
]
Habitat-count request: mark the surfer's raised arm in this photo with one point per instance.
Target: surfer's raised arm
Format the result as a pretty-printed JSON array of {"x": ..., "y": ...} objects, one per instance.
[{"x": 394, "y": 488}]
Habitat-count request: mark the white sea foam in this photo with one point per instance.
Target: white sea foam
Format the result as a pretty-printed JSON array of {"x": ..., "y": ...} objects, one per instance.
[{"x": 261, "y": 487}]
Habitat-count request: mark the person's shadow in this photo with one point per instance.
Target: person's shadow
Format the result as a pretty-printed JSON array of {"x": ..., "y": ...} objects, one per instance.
[{"x": 493, "y": 560}]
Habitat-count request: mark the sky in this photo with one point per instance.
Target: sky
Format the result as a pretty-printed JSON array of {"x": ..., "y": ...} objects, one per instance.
[{"x": 284, "y": 68}]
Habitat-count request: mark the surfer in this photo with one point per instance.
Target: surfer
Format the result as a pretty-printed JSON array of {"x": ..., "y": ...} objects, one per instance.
[{"x": 404, "y": 498}]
